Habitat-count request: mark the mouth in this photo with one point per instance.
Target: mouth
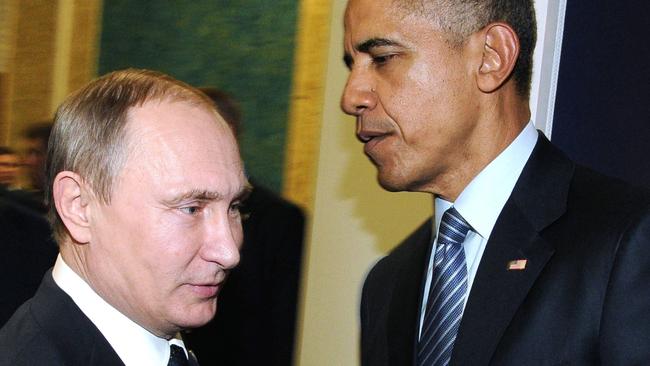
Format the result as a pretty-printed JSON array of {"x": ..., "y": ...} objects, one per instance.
[
  {"x": 206, "y": 290},
  {"x": 371, "y": 133},
  {"x": 371, "y": 144},
  {"x": 370, "y": 139}
]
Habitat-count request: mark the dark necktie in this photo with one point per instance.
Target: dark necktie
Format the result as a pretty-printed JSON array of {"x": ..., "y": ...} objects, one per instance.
[
  {"x": 177, "y": 356},
  {"x": 447, "y": 293}
]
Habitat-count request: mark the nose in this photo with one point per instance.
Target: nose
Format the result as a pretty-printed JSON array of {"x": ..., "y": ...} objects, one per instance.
[
  {"x": 224, "y": 238},
  {"x": 358, "y": 94}
]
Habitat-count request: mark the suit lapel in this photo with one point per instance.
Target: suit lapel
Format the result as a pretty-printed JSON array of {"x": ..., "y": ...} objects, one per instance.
[
  {"x": 497, "y": 292},
  {"x": 538, "y": 199},
  {"x": 404, "y": 315},
  {"x": 67, "y": 326}
]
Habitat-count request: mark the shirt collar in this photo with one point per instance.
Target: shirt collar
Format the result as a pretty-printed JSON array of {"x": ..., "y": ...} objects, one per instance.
[
  {"x": 132, "y": 343},
  {"x": 481, "y": 202}
]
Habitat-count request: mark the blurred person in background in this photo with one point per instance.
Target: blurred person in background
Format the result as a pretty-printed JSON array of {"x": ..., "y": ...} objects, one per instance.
[
  {"x": 256, "y": 322},
  {"x": 27, "y": 249},
  {"x": 9, "y": 167},
  {"x": 28, "y": 168},
  {"x": 9, "y": 175},
  {"x": 34, "y": 142}
]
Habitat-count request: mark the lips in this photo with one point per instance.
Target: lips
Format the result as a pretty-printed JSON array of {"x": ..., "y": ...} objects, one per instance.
[
  {"x": 366, "y": 134},
  {"x": 205, "y": 290},
  {"x": 371, "y": 133},
  {"x": 370, "y": 139},
  {"x": 372, "y": 143}
]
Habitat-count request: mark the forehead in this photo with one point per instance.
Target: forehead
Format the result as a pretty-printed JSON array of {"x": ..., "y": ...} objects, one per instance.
[
  {"x": 178, "y": 138},
  {"x": 155, "y": 121},
  {"x": 384, "y": 19},
  {"x": 368, "y": 12}
]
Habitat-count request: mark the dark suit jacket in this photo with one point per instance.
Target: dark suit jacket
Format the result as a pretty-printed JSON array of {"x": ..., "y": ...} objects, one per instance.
[
  {"x": 583, "y": 299},
  {"x": 50, "y": 329},
  {"x": 27, "y": 251},
  {"x": 256, "y": 313}
]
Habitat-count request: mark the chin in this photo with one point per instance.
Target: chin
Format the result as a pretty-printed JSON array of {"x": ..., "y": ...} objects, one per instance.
[
  {"x": 400, "y": 182},
  {"x": 391, "y": 184},
  {"x": 197, "y": 316},
  {"x": 391, "y": 176}
]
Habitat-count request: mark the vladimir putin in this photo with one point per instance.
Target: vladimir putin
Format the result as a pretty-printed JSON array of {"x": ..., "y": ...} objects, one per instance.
[{"x": 144, "y": 184}]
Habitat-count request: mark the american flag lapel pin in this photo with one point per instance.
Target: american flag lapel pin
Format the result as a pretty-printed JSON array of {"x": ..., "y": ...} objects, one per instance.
[{"x": 517, "y": 265}]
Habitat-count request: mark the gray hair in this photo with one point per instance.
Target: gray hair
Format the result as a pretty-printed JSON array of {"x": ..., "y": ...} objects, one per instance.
[{"x": 88, "y": 136}]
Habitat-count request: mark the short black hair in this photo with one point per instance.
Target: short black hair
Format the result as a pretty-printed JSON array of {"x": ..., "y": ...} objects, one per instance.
[{"x": 461, "y": 18}]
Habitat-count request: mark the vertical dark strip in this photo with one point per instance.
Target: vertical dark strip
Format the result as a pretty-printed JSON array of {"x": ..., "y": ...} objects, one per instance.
[{"x": 602, "y": 110}]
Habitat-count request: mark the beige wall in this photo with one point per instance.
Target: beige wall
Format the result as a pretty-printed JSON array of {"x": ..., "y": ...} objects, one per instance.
[{"x": 28, "y": 66}]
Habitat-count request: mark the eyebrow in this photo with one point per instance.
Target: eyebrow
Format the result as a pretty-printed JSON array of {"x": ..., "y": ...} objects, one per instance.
[
  {"x": 368, "y": 45},
  {"x": 205, "y": 195},
  {"x": 194, "y": 194},
  {"x": 371, "y": 43}
]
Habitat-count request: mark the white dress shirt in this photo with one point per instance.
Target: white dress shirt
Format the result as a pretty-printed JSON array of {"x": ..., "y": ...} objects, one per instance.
[
  {"x": 481, "y": 202},
  {"x": 132, "y": 343}
]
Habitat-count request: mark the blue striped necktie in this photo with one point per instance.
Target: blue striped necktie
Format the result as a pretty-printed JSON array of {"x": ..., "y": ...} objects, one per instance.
[{"x": 447, "y": 292}]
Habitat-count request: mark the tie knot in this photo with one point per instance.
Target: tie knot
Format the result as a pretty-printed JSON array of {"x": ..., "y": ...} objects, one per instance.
[
  {"x": 453, "y": 228},
  {"x": 177, "y": 356}
]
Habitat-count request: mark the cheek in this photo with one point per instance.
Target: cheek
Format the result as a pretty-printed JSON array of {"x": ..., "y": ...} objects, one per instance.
[
  {"x": 161, "y": 242},
  {"x": 178, "y": 240}
]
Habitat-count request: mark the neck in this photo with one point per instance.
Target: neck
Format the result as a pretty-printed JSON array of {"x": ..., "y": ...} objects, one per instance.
[
  {"x": 74, "y": 258},
  {"x": 502, "y": 117}
]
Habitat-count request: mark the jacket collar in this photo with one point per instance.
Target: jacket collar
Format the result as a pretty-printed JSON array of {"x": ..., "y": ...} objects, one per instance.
[{"x": 538, "y": 199}]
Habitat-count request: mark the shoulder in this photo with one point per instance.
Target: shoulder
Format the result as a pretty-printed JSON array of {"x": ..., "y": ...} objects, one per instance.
[
  {"x": 605, "y": 226},
  {"x": 23, "y": 341},
  {"x": 617, "y": 216},
  {"x": 562, "y": 196},
  {"x": 50, "y": 329},
  {"x": 548, "y": 165},
  {"x": 606, "y": 205},
  {"x": 592, "y": 188}
]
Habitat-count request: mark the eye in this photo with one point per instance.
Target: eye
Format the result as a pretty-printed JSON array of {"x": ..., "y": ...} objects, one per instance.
[
  {"x": 381, "y": 60},
  {"x": 191, "y": 210},
  {"x": 235, "y": 208}
]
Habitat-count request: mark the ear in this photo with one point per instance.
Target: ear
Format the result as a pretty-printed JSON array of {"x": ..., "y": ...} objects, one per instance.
[
  {"x": 72, "y": 203},
  {"x": 500, "y": 52}
]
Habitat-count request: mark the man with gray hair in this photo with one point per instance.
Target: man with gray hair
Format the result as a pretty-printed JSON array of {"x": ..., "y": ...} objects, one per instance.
[
  {"x": 529, "y": 258},
  {"x": 144, "y": 184}
]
